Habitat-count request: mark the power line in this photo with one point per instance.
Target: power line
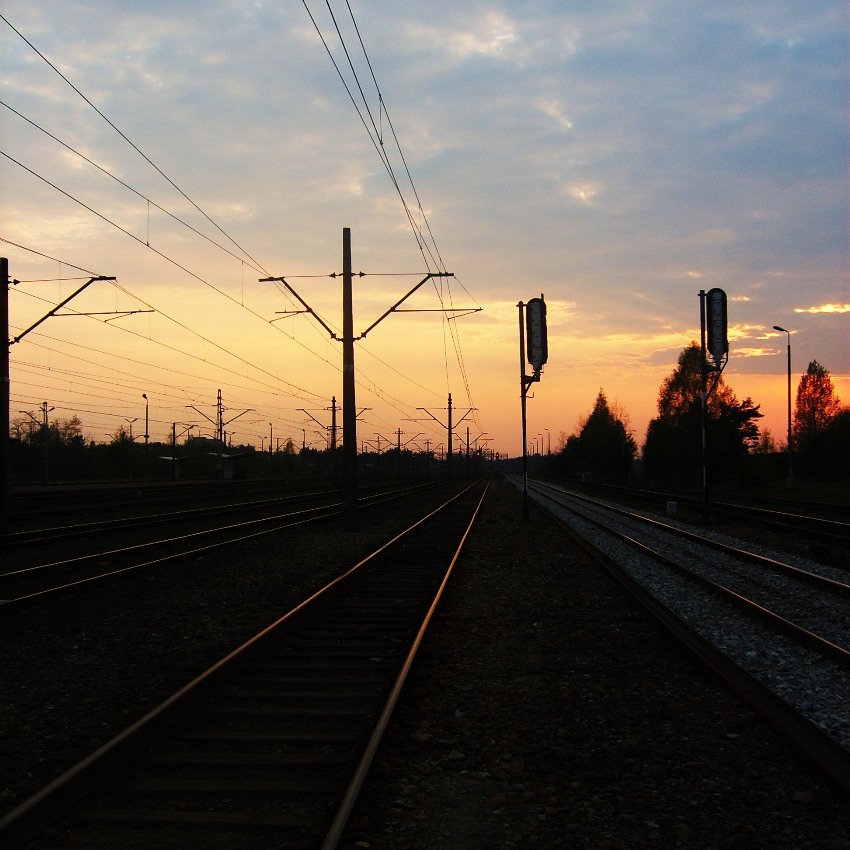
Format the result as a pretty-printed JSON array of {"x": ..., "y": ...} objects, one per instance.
[
  {"x": 127, "y": 186},
  {"x": 377, "y": 142},
  {"x": 126, "y": 139},
  {"x": 379, "y": 147}
]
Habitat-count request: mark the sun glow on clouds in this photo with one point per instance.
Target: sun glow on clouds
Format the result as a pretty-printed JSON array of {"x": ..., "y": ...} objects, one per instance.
[
  {"x": 755, "y": 352},
  {"x": 583, "y": 192},
  {"x": 599, "y": 103},
  {"x": 824, "y": 308}
]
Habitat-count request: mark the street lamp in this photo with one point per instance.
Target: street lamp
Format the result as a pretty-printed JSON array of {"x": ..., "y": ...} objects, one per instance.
[
  {"x": 147, "y": 435},
  {"x": 790, "y": 462}
]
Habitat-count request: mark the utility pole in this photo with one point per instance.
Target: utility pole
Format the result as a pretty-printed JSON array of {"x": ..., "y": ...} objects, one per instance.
[
  {"x": 349, "y": 410},
  {"x": 449, "y": 429},
  {"x": 5, "y": 472},
  {"x": 449, "y": 439},
  {"x": 147, "y": 434},
  {"x": 45, "y": 437},
  {"x": 330, "y": 441},
  {"x": 220, "y": 434},
  {"x": 333, "y": 437},
  {"x": 44, "y": 430}
]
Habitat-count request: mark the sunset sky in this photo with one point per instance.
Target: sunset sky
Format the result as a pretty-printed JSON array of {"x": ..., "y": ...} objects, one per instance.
[{"x": 617, "y": 157}]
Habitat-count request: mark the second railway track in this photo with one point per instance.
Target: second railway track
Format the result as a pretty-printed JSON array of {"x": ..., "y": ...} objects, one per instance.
[
  {"x": 164, "y": 540},
  {"x": 776, "y": 632},
  {"x": 268, "y": 746}
]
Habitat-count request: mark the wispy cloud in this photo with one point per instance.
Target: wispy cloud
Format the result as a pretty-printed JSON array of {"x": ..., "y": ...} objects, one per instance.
[
  {"x": 617, "y": 157},
  {"x": 824, "y": 308}
]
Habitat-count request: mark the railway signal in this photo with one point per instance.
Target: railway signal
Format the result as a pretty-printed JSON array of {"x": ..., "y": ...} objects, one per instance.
[
  {"x": 713, "y": 326},
  {"x": 532, "y": 327},
  {"x": 716, "y": 326}
]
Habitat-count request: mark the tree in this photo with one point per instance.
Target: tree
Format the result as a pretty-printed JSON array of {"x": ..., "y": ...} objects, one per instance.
[
  {"x": 603, "y": 445},
  {"x": 817, "y": 405},
  {"x": 61, "y": 443},
  {"x": 766, "y": 444},
  {"x": 67, "y": 447},
  {"x": 606, "y": 446},
  {"x": 821, "y": 426},
  {"x": 673, "y": 445},
  {"x": 833, "y": 459}
]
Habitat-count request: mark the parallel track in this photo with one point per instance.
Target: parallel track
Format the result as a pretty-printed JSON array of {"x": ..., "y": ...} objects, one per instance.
[
  {"x": 826, "y": 754},
  {"x": 202, "y": 510},
  {"x": 28, "y": 585},
  {"x": 270, "y": 746},
  {"x": 828, "y": 524}
]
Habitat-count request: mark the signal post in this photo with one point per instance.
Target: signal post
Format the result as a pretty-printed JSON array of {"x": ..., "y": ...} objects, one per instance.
[{"x": 532, "y": 325}]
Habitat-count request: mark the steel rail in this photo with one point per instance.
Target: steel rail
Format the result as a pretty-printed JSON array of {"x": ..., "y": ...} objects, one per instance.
[
  {"x": 802, "y": 635},
  {"x": 836, "y": 532},
  {"x": 232, "y": 534},
  {"x": 53, "y": 534},
  {"x": 812, "y": 744},
  {"x": 335, "y": 833},
  {"x": 50, "y": 802},
  {"x": 832, "y": 585}
]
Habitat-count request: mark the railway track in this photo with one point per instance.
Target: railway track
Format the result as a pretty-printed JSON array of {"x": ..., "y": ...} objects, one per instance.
[
  {"x": 270, "y": 746},
  {"x": 74, "y": 504},
  {"x": 25, "y": 582},
  {"x": 825, "y": 523},
  {"x": 188, "y": 509},
  {"x": 777, "y": 632}
]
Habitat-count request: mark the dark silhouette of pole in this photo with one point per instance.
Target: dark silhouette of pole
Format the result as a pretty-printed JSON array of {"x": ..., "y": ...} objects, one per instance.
[
  {"x": 532, "y": 323},
  {"x": 704, "y": 410},
  {"x": 449, "y": 430},
  {"x": 790, "y": 462},
  {"x": 349, "y": 409},
  {"x": 147, "y": 432},
  {"x": 4, "y": 378},
  {"x": 523, "y": 386},
  {"x": 449, "y": 439},
  {"x": 334, "y": 464},
  {"x": 5, "y": 473}
]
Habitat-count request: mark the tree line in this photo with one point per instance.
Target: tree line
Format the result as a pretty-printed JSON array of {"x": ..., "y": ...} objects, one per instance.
[{"x": 604, "y": 446}]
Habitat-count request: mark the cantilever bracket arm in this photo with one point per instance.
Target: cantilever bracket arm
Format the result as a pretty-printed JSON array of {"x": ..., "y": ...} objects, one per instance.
[
  {"x": 58, "y": 307},
  {"x": 404, "y": 298},
  {"x": 303, "y": 303},
  {"x": 249, "y": 410},
  {"x": 424, "y": 410},
  {"x": 465, "y": 415}
]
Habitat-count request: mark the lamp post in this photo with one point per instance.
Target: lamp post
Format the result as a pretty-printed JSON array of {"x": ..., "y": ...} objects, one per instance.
[
  {"x": 790, "y": 462},
  {"x": 147, "y": 428}
]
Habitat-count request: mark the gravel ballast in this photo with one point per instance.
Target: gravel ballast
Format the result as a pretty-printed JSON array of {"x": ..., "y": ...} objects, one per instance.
[{"x": 544, "y": 709}]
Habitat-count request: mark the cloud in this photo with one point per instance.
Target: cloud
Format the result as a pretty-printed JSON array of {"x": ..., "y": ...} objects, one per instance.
[
  {"x": 824, "y": 308},
  {"x": 618, "y": 157}
]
